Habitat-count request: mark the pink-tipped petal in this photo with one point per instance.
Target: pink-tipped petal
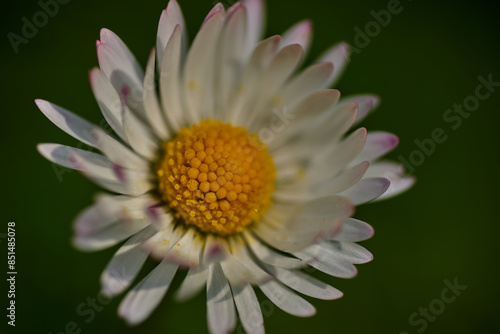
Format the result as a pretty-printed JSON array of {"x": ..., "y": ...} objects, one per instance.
[
  {"x": 366, "y": 104},
  {"x": 170, "y": 18},
  {"x": 339, "y": 55},
  {"x": 256, "y": 20},
  {"x": 218, "y": 8},
  {"x": 301, "y": 34},
  {"x": 377, "y": 145},
  {"x": 367, "y": 190}
]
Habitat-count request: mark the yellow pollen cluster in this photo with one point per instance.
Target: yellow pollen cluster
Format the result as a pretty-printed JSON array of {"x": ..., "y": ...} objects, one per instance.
[{"x": 216, "y": 177}]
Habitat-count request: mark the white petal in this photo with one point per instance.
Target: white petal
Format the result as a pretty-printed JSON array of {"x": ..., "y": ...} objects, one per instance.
[
  {"x": 218, "y": 8},
  {"x": 397, "y": 187},
  {"x": 377, "y": 145},
  {"x": 125, "y": 265},
  {"x": 305, "y": 284},
  {"x": 138, "y": 135},
  {"x": 367, "y": 190},
  {"x": 108, "y": 100},
  {"x": 326, "y": 261},
  {"x": 282, "y": 66},
  {"x": 330, "y": 130},
  {"x": 313, "y": 221},
  {"x": 345, "y": 180},
  {"x": 147, "y": 295},
  {"x": 348, "y": 251},
  {"x": 339, "y": 55},
  {"x": 308, "y": 81},
  {"x": 266, "y": 255},
  {"x": 170, "y": 81},
  {"x": 161, "y": 243},
  {"x": 216, "y": 250},
  {"x": 187, "y": 251},
  {"x": 170, "y": 18},
  {"x": 240, "y": 269},
  {"x": 110, "y": 38},
  {"x": 287, "y": 300},
  {"x": 123, "y": 76},
  {"x": 395, "y": 173},
  {"x": 240, "y": 254},
  {"x": 247, "y": 90},
  {"x": 98, "y": 168},
  {"x": 256, "y": 20},
  {"x": 231, "y": 58},
  {"x": 220, "y": 307},
  {"x": 152, "y": 108},
  {"x": 199, "y": 72},
  {"x": 311, "y": 109},
  {"x": 109, "y": 209},
  {"x": 354, "y": 230},
  {"x": 336, "y": 157},
  {"x": 109, "y": 235},
  {"x": 62, "y": 155},
  {"x": 248, "y": 308},
  {"x": 366, "y": 103},
  {"x": 91, "y": 135},
  {"x": 301, "y": 34},
  {"x": 192, "y": 284}
]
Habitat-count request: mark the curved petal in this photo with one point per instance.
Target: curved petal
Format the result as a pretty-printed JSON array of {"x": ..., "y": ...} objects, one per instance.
[
  {"x": 123, "y": 76},
  {"x": 366, "y": 104},
  {"x": 98, "y": 168},
  {"x": 221, "y": 314},
  {"x": 170, "y": 18},
  {"x": 377, "y": 145},
  {"x": 287, "y": 300},
  {"x": 354, "y": 230},
  {"x": 199, "y": 72},
  {"x": 339, "y": 55},
  {"x": 193, "y": 283},
  {"x": 310, "y": 80},
  {"x": 334, "y": 158},
  {"x": 170, "y": 82},
  {"x": 231, "y": 58},
  {"x": 141, "y": 301},
  {"x": 153, "y": 112},
  {"x": 395, "y": 173},
  {"x": 367, "y": 190},
  {"x": 256, "y": 20},
  {"x": 91, "y": 135},
  {"x": 300, "y": 33},
  {"x": 247, "y": 89},
  {"x": 125, "y": 265},
  {"x": 109, "y": 235},
  {"x": 248, "y": 308},
  {"x": 282, "y": 66},
  {"x": 305, "y": 284}
]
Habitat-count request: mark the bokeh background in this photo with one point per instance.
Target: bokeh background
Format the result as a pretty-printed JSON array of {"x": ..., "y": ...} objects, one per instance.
[{"x": 427, "y": 59}]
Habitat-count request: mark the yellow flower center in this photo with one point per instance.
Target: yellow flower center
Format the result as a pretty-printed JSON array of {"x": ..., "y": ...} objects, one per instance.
[{"x": 216, "y": 177}]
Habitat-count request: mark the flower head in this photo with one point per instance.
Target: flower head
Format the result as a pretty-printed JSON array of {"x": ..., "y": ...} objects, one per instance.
[{"x": 237, "y": 166}]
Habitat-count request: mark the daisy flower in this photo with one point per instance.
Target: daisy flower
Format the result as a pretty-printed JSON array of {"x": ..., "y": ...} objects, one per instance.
[{"x": 228, "y": 160}]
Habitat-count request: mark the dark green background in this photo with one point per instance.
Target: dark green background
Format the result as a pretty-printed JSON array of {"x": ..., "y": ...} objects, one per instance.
[{"x": 427, "y": 59}]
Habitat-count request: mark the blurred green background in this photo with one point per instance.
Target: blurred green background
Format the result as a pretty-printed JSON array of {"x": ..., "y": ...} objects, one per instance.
[{"x": 427, "y": 59}]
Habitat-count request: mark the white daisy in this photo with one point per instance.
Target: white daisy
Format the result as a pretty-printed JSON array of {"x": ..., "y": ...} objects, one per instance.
[{"x": 234, "y": 167}]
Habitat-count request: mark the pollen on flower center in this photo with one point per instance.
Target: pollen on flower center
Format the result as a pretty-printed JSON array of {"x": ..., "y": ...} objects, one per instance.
[{"x": 216, "y": 177}]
